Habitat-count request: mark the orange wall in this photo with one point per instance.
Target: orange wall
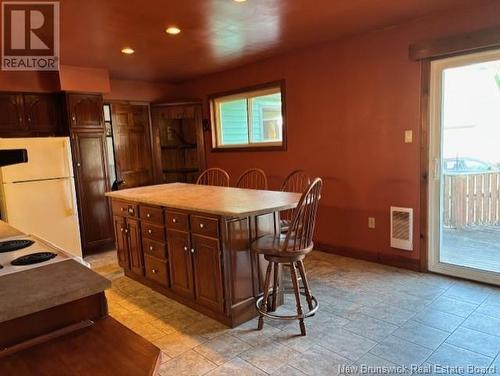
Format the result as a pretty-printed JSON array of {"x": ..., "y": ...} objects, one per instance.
[
  {"x": 348, "y": 105},
  {"x": 29, "y": 81},
  {"x": 84, "y": 79},
  {"x": 140, "y": 91}
]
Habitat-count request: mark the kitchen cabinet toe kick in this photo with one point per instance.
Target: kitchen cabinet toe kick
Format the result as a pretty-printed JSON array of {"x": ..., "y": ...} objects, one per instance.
[{"x": 200, "y": 260}]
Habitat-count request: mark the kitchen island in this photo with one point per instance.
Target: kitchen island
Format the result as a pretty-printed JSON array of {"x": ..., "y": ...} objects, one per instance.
[{"x": 192, "y": 243}]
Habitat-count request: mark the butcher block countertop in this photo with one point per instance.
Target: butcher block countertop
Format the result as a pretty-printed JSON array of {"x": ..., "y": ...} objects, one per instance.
[
  {"x": 226, "y": 202},
  {"x": 47, "y": 286}
]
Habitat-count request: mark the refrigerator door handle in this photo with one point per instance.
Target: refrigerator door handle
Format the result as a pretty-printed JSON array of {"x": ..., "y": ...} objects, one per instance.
[
  {"x": 67, "y": 156},
  {"x": 69, "y": 196}
]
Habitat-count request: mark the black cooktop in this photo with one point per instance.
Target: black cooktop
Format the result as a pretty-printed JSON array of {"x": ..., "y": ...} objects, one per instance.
[
  {"x": 14, "y": 245},
  {"x": 33, "y": 258}
]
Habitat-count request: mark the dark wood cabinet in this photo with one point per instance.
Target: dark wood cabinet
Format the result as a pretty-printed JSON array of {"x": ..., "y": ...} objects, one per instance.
[
  {"x": 29, "y": 114},
  {"x": 178, "y": 142},
  {"x": 207, "y": 269},
  {"x": 121, "y": 241},
  {"x": 200, "y": 259},
  {"x": 85, "y": 111},
  {"x": 181, "y": 269},
  {"x": 41, "y": 114},
  {"x": 12, "y": 114},
  {"x": 135, "y": 246},
  {"x": 90, "y": 161},
  {"x": 84, "y": 119}
]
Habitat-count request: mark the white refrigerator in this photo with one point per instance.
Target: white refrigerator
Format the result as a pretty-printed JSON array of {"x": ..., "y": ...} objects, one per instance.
[{"x": 39, "y": 197}]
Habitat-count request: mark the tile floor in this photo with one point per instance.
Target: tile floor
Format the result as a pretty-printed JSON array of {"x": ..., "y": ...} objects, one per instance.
[{"x": 370, "y": 316}]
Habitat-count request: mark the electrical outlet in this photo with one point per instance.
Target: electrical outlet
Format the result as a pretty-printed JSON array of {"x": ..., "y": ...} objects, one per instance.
[{"x": 371, "y": 222}]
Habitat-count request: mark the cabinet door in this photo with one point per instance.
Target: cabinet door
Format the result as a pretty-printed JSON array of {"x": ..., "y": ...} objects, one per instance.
[
  {"x": 85, "y": 111},
  {"x": 207, "y": 272},
  {"x": 11, "y": 115},
  {"x": 181, "y": 268},
  {"x": 41, "y": 114},
  {"x": 92, "y": 182},
  {"x": 135, "y": 246},
  {"x": 121, "y": 241}
]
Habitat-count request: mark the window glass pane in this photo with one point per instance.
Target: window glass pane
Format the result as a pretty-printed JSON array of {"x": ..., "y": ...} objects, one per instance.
[
  {"x": 233, "y": 118},
  {"x": 267, "y": 122}
]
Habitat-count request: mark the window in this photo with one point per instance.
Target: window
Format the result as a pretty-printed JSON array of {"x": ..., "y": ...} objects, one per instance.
[{"x": 249, "y": 119}]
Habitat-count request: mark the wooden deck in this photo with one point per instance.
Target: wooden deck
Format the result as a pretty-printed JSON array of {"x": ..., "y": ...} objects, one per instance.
[{"x": 476, "y": 247}]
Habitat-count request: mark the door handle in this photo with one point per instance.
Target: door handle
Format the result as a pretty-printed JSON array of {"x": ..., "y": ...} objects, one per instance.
[
  {"x": 192, "y": 250},
  {"x": 436, "y": 169}
]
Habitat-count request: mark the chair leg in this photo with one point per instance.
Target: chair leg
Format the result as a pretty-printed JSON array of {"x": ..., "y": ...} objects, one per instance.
[
  {"x": 293, "y": 272},
  {"x": 267, "y": 282},
  {"x": 307, "y": 290},
  {"x": 275, "y": 286}
]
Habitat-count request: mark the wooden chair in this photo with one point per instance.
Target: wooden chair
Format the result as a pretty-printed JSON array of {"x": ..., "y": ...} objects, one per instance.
[
  {"x": 254, "y": 178},
  {"x": 297, "y": 181},
  {"x": 290, "y": 249},
  {"x": 214, "y": 176}
]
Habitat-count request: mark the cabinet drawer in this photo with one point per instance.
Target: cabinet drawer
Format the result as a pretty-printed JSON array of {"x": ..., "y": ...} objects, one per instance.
[
  {"x": 177, "y": 221},
  {"x": 124, "y": 209},
  {"x": 205, "y": 226},
  {"x": 156, "y": 270},
  {"x": 151, "y": 214},
  {"x": 153, "y": 232},
  {"x": 154, "y": 248}
]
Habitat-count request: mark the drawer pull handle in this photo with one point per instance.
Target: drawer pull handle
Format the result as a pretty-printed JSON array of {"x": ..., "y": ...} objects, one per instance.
[
  {"x": 150, "y": 247},
  {"x": 131, "y": 210},
  {"x": 202, "y": 225},
  {"x": 150, "y": 231},
  {"x": 174, "y": 220},
  {"x": 154, "y": 271},
  {"x": 192, "y": 250},
  {"x": 148, "y": 215}
]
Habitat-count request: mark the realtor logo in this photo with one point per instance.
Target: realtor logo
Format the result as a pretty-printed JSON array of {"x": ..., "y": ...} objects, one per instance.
[{"x": 30, "y": 35}]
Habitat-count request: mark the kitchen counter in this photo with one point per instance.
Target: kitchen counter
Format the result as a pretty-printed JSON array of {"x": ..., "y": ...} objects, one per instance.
[
  {"x": 223, "y": 201},
  {"x": 47, "y": 286},
  {"x": 33, "y": 290}
]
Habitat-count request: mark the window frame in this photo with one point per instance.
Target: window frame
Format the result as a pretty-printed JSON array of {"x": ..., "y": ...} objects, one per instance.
[{"x": 244, "y": 93}]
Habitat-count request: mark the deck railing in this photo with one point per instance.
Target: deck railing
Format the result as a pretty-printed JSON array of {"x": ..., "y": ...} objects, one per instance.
[{"x": 471, "y": 200}]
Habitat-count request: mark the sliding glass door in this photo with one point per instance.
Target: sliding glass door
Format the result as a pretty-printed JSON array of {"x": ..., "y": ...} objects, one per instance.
[{"x": 464, "y": 200}]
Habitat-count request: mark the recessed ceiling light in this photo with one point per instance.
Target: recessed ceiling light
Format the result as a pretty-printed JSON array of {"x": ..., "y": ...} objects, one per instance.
[
  {"x": 173, "y": 30},
  {"x": 127, "y": 51},
  {"x": 239, "y": 1}
]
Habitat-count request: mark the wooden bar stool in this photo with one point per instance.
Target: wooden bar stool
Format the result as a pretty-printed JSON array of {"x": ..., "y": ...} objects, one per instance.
[
  {"x": 214, "y": 176},
  {"x": 297, "y": 181},
  {"x": 254, "y": 178},
  {"x": 290, "y": 249}
]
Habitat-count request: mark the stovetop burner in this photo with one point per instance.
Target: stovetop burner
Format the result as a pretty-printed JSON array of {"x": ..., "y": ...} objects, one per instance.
[
  {"x": 33, "y": 258},
  {"x": 14, "y": 245}
]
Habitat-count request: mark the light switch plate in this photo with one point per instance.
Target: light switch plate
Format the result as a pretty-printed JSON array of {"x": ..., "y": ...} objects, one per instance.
[
  {"x": 408, "y": 136},
  {"x": 371, "y": 222}
]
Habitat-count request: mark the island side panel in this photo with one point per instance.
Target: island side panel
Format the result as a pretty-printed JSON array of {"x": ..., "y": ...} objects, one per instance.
[{"x": 244, "y": 270}]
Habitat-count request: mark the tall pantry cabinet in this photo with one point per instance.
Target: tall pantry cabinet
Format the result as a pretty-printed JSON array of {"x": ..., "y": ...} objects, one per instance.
[{"x": 84, "y": 116}]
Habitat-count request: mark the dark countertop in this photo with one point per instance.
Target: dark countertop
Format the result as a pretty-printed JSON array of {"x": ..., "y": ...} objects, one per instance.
[{"x": 44, "y": 287}]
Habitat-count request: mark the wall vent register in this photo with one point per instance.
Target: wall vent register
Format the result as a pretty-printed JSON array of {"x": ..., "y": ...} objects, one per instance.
[{"x": 402, "y": 228}]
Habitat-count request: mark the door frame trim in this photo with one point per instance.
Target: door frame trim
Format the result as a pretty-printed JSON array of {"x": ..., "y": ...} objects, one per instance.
[{"x": 430, "y": 114}]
